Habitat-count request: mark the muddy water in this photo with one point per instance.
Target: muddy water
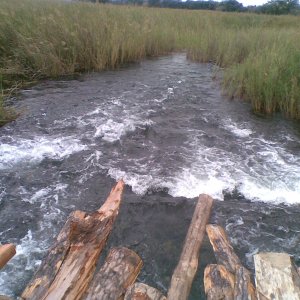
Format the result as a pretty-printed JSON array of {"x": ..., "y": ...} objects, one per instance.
[{"x": 164, "y": 126}]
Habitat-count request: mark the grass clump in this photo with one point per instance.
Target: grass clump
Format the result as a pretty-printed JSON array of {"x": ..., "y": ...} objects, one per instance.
[
  {"x": 6, "y": 114},
  {"x": 260, "y": 54}
]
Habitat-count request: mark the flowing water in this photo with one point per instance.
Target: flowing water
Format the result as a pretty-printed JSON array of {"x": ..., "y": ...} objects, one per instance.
[{"x": 164, "y": 126}]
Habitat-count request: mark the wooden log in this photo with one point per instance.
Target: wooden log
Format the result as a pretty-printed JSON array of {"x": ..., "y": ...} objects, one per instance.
[
  {"x": 119, "y": 271},
  {"x": 225, "y": 255},
  {"x": 2, "y": 297},
  {"x": 69, "y": 266},
  {"x": 276, "y": 277},
  {"x": 186, "y": 269},
  {"x": 7, "y": 251},
  {"x": 218, "y": 283},
  {"x": 141, "y": 291},
  {"x": 223, "y": 250},
  {"x": 243, "y": 286}
]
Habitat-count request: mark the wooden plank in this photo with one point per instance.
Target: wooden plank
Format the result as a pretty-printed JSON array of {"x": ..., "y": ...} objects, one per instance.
[
  {"x": 185, "y": 271},
  {"x": 276, "y": 277},
  {"x": 243, "y": 286},
  {"x": 69, "y": 266},
  {"x": 119, "y": 271},
  {"x": 141, "y": 291},
  {"x": 7, "y": 251},
  {"x": 218, "y": 283},
  {"x": 223, "y": 250}
]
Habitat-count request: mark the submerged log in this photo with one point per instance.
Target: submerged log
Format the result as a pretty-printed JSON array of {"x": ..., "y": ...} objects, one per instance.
[
  {"x": 119, "y": 271},
  {"x": 276, "y": 277},
  {"x": 7, "y": 251},
  {"x": 223, "y": 250},
  {"x": 186, "y": 269},
  {"x": 141, "y": 291},
  {"x": 218, "y": 283},
  {"x": 69, "y": 266}
]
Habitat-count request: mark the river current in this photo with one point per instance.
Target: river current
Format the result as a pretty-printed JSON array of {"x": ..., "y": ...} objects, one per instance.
[{"x": 163, "y": 126}]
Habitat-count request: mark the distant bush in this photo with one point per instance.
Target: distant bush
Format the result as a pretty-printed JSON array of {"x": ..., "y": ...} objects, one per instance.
[{"x": 260, "y": 53}]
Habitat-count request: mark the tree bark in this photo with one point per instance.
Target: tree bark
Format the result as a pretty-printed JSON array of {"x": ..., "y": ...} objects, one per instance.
[
  {"x": 218, "y": 283},
  {"x": 225, "y": 255},
  {"x": 7, "y": 251},
  {"x": 119, "y": 271},
  {"x": 224, "y": 252},
  {"x": 141, "y": 291},
  {"x": 69, "y": 266},
  {"x": 186, "y": 269},
  {"x": 243, "y": 287}
]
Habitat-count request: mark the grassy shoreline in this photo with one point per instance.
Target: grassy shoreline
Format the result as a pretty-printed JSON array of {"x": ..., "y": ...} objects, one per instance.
[{"x": 260, "y": 54}]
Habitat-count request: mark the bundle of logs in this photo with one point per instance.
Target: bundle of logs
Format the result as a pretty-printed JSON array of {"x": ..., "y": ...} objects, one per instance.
[{"x": 68, "y": 271}]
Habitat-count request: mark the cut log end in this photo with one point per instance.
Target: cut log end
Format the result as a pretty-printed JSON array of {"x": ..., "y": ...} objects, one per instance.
[
  {"x": 6, "y": 253},
  {"x": 119, "y": 271}
]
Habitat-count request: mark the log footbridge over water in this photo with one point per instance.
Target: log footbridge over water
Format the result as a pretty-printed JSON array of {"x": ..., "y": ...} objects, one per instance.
[{"x": 69, "y": 269}]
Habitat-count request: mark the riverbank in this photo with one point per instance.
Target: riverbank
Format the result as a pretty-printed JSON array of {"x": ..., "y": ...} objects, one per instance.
[{"x": 260, "y": 53}]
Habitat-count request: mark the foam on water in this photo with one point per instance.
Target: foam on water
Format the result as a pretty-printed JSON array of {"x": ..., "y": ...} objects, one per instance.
[
  {"x": 237, "y": 129},
  {"x": 23, "y": 262},
  {"x": 26, "y": 151},
  {"x": 261, "y": 170},
  {"x": 112, "y": 131}
]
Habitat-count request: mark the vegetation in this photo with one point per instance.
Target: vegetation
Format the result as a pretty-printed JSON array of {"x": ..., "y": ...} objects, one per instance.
[
  {"x": 275, "y": 7},
  {"x": 6, "y": 114},
  {"x": 260, "y": 53}
]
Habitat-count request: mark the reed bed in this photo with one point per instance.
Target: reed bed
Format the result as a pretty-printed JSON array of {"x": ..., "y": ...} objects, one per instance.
[{"x": 260, "y": 54}]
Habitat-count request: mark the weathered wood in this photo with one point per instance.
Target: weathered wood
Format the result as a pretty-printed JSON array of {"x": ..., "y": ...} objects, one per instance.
[
  {"x": 186, "y": 269},
  {"x": 225, "y": 255},
  {"x": 119, "y": 271},
  {"x": 276, "y": 277},
  {"x": 141, "y": 291},
  {"x": 223, "y": 250},
  {"x": 2, "y": 297},
  {"x": 218, "y": 283},
  {"x": 243, "y": 286},
  {"x": 69, "y": 266},
  {"x": 7, "y": 251}
]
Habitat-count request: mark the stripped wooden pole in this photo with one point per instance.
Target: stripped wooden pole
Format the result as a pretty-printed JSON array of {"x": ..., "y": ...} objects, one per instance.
[
  {"x": 186, "y": 269},
  {"x": 7, "y": 251}
]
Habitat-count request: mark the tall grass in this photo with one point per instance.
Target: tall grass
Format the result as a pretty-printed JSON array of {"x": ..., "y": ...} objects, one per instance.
[{"x": 260, "y": 54}]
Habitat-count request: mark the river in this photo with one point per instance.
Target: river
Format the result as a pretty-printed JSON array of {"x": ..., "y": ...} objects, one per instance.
[{"x": 163, "y": 126}]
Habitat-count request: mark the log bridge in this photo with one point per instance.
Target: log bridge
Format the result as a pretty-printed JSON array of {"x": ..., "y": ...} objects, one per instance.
[{"x": 69, "y": 269}]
